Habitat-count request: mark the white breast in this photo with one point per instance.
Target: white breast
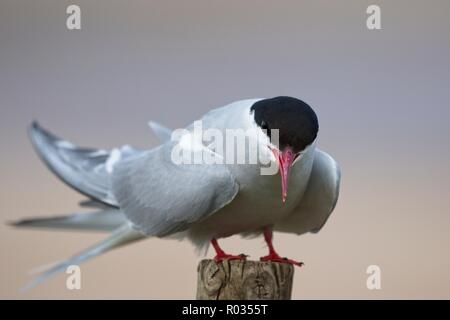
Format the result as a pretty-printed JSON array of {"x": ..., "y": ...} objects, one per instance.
[{"x": 258, "y": 203}]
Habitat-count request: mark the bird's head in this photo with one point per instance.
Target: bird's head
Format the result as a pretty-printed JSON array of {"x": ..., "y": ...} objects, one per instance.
[{"x": 297, "y": 127}]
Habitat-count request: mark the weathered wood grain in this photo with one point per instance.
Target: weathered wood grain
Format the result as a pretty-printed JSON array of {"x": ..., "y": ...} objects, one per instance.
[{"x": 244, "y": 280}]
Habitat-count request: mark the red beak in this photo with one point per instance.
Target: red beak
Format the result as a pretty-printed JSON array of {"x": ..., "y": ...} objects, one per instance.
[{"x": 285, "y": 160}]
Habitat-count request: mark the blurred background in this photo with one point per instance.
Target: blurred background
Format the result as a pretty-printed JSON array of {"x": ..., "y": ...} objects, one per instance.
[{"x": 382, "y": 98}]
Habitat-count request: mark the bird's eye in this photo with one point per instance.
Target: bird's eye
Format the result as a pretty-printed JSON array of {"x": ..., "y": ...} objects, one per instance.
[{"x": 265, "y": 127}]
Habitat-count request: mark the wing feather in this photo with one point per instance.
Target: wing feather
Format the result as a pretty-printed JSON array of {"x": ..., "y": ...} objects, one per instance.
[
  {"x": 84, "y": 169},
  {"x": 160, "y": 197}
]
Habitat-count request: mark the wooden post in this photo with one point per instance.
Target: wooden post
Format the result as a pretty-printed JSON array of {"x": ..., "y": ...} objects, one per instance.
[{"x": 244, "y": 280}]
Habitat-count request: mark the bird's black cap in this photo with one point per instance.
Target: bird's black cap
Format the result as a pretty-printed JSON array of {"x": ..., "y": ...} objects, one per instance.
[{"x": 296, "y": 121}]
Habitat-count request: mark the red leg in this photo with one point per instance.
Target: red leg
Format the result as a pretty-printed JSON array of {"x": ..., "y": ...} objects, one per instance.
[
  {"x": 221, "y": 255},
  {"x": 273, "y": 255}
]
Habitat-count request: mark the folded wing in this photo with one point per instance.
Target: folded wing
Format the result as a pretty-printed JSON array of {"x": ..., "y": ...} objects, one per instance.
[
  {"x": 161, "y": 197},
  {"x": 319, "y": 199}
]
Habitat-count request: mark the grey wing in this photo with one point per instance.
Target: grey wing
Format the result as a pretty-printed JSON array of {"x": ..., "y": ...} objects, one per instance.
[
  {"x": 319, "y": 199},
  {"x": 160, "y": 197},
  {"x": 84, "y": 169}
]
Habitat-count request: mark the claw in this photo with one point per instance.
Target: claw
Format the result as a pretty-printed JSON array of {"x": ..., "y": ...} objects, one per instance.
[
  {"x": 276, "y": 258},
  {"x": 221, "y": 255},
  {"x": 273, "y": 255},
  {"x": 225, "y": 256}
]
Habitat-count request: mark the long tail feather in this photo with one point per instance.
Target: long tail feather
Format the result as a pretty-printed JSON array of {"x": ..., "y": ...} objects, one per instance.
[
  {"x": 104, "y": 220},
  {"x": 121, "y": 236}
]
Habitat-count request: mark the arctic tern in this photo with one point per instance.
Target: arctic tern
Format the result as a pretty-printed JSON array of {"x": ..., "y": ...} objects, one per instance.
[{"x": 143, "y": 193}]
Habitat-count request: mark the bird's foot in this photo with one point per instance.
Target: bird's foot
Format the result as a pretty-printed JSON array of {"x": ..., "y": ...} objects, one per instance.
[
  {"x": 274, "y": 257},
  {"x": 226, "y": 256}
]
